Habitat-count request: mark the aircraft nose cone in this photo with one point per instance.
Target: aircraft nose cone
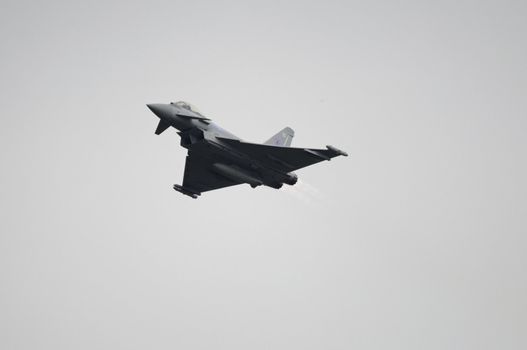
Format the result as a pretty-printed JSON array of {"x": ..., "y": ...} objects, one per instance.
[{"x": 163, "y": 111}]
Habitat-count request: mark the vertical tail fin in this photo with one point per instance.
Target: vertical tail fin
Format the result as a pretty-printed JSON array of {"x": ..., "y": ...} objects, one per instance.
[{"x": 283, "y": 138}]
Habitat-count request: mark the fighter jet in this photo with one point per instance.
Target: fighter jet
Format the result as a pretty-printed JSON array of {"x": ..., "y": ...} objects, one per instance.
[{"x": 216, "y": 158}]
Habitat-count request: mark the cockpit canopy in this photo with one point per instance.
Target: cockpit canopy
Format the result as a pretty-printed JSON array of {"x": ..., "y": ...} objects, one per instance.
[{"x": 187, "y": 106}]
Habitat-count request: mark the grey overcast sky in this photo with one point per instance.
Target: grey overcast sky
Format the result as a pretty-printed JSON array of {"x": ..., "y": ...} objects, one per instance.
[{"x": 415, "y": 241}]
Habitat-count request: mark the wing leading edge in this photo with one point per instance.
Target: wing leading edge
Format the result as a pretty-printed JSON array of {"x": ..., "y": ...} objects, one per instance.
[{"x": 285, "y": 158}]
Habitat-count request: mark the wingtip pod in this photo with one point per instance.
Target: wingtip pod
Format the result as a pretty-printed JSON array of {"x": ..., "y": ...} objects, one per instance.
[
  {"x": 186, "y": 191},
  {"x": 336, "y": 150}
]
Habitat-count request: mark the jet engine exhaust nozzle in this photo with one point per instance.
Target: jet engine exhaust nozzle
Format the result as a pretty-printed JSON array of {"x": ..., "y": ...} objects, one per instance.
[{"x": 291, "y": 179}]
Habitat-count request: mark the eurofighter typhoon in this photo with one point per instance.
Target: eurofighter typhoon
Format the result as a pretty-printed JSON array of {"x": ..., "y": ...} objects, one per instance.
[{"x": 216, "y": 158}]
